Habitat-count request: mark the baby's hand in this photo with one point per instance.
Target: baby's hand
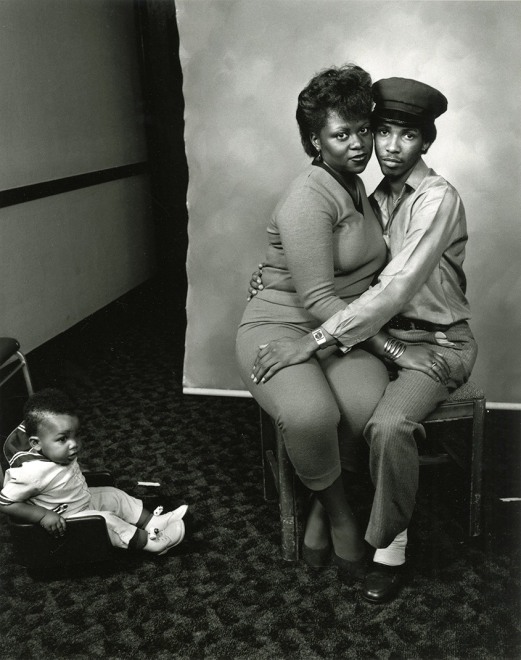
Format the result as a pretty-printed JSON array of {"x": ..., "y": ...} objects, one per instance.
[{"x": 54, "y": 524}]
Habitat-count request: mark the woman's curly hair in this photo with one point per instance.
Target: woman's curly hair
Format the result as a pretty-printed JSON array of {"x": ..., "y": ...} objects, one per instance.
[{"x": 345, "y": 89}]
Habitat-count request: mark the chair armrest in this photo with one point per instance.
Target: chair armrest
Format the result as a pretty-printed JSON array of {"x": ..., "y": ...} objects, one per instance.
[
  {"x": 8, "y": 347},
  {"x": 85, "y": 540}
]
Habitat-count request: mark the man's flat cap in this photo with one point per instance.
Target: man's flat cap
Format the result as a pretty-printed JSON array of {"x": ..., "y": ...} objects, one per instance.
[{"x": 408, "y": 102}]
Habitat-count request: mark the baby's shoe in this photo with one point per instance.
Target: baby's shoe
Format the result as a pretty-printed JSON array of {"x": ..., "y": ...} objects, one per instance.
[
  {"x": 161, "y": 542},
  {"x": 160, "y": 522}
]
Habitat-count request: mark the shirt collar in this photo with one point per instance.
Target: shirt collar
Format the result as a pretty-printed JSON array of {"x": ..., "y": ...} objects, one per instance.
[
  {"x": 414, "y": 179},
  {"x": 417, "y": 175},
  {"x": 26, "y": 456}
]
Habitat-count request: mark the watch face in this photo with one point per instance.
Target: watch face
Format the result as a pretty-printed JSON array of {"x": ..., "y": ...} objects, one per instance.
[{"x": 319, "y": 336}]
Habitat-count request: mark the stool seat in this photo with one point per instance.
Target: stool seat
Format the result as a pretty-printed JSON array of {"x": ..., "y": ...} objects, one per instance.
[
  {"x": 459, "y": 405},
  {"x": 467, "y": 391}
]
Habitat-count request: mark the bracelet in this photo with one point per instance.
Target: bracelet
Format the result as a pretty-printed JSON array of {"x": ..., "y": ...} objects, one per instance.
[{"x": 394, "y": 348}]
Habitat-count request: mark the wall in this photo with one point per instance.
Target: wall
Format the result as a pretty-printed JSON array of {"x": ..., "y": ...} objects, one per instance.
[
  {"x": 70, "y": 105},
  {"x": 244, "y": 63}
]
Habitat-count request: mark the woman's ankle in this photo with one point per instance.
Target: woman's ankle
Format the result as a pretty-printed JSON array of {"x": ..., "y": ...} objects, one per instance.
[
  {"x": 316, "y": 534},
  {"x": 348, "y": 542}
]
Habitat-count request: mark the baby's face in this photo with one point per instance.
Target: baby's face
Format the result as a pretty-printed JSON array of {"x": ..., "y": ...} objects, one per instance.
[{"x": 57, "y": 439}]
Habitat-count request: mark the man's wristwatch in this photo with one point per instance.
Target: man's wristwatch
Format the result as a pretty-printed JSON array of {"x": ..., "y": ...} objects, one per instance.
[{"x": 319, "y": 337}]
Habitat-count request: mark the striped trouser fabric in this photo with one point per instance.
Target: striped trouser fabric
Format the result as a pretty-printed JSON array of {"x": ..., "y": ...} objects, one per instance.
[{"x": 392, "y": 430}]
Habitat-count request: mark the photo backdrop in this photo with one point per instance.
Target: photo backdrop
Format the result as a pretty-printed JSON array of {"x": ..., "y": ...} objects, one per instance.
[{"x": 244, "y": 63}]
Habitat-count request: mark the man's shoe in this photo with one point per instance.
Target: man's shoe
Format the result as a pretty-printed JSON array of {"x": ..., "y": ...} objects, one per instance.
[{"x": 382, "y": 582}]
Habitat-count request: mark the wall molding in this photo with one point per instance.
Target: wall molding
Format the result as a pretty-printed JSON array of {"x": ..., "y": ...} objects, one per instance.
[
  {"x": 34, "y": 191},
  {"x": 208, "y": 391}
]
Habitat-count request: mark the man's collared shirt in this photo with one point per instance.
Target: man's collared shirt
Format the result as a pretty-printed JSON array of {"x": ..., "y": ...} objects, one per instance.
[{"x": 426, "y": 233}]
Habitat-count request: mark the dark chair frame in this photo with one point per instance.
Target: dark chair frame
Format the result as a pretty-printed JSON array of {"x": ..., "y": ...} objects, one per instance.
[
  {"x": 279, "y": 480},
  {"x": 13, "y": 360},
  {"x": 86, "y": 540}
]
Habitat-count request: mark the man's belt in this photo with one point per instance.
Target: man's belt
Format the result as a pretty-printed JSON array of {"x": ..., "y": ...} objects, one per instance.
[{"x": 402, "y": 323}]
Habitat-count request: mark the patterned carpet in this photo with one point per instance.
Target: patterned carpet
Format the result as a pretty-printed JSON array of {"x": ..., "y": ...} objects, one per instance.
[{"x": 225, "y": 593}]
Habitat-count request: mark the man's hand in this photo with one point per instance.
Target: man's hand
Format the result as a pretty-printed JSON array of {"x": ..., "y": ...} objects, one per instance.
[
  {"x": 281, "y": 353},
  {"x": 255, "y": 282},
  {"x": 54, "y": 524},
  {"x": 426, "y": 359}
]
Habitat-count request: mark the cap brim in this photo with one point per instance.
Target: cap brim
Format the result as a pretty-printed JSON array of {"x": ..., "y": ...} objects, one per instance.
[{"x": 401, "y": 118}]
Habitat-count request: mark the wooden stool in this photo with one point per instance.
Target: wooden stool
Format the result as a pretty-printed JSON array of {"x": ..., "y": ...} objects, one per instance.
[{"x": 467, "y": 402}]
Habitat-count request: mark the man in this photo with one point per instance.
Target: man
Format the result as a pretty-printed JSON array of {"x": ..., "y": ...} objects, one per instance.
[{"x": 419, "y": 299}]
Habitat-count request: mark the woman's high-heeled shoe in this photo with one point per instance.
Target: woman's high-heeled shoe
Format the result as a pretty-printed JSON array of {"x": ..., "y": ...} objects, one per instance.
[
  {"x": 316, "y": 557},
  {"x": 348, "y": 571}
]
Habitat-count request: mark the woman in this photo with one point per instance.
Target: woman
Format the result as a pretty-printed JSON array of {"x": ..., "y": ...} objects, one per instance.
[{"x": 325, "y": 249}]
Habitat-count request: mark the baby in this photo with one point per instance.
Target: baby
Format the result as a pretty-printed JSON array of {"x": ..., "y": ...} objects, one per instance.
[{"x": 45, "y": 484}]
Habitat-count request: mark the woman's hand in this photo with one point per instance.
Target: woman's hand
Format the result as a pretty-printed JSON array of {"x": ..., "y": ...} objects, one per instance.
[
  {"x": 280, "y": 353},
  {"x": 426, "y": 359},
  {"x": 54, "y": 524},
  {"x": 255, "y": 282}
]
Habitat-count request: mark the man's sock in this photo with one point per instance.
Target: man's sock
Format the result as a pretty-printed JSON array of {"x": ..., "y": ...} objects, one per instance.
[{"x": 394, "y": 554}]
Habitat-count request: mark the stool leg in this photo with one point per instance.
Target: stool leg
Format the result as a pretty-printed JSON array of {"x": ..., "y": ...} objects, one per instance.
[
  {"x": 268, "y": 449},
  {"x": 287, "y": 503},
  {"x": 476, "y": 474}
]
